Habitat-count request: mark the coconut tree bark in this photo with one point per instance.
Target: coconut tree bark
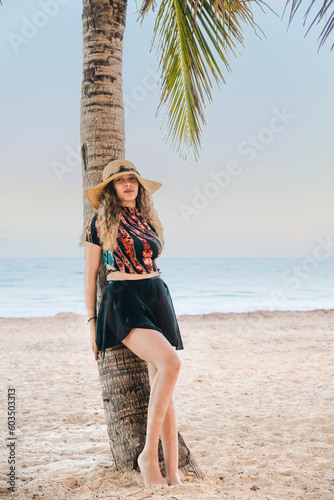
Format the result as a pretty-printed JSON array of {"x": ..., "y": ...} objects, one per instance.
[{"x": 123, "y": 376}]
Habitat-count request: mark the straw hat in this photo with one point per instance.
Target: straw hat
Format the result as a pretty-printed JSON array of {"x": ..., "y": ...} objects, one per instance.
[{"x": 113, "y": 170}]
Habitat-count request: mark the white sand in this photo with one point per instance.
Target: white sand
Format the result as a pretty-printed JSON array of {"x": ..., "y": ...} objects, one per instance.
[{"x": 255, "y": 400}]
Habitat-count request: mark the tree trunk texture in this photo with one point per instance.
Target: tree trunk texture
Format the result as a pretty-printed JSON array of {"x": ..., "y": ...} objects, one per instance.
[{"x": 123, "y": 376}]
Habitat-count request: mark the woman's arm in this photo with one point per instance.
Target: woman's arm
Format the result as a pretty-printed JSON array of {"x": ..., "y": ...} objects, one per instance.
[{"x": 92, "y": 262}]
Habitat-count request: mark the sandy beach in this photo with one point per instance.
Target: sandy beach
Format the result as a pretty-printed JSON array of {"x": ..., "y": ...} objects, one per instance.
[{"x": 255, "y": 400}]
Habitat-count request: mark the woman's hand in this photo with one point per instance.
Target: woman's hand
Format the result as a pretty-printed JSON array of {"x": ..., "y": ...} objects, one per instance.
[{"x": 92, "y": 337}]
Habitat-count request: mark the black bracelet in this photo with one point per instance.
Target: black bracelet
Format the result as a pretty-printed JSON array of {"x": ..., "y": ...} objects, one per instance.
[{"x": 93, "y": 317}]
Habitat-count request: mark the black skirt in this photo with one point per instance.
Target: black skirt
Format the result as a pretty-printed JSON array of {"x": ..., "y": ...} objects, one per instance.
[{"x": 141, "y": 303}]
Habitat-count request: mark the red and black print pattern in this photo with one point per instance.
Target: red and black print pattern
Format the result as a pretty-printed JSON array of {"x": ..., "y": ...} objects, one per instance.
[{"x": 138, "y": 244}]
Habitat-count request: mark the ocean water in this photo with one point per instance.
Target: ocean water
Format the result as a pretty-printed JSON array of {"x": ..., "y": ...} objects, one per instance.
[{"x": 45, "y": 287}]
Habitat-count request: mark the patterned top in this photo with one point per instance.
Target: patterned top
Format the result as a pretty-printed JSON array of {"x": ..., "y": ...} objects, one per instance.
[{"x": 138, "y": 245}]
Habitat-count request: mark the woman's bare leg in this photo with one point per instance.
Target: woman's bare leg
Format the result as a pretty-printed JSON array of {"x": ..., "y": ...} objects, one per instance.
[
  {"x": 169, "y": 437},
  {"x": 154, "y": 348}
]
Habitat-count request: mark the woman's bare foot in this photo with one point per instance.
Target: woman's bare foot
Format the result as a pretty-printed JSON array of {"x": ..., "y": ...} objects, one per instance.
[
  {"x": 150, "y": 471},
  {"x": 174, "y": 479}
]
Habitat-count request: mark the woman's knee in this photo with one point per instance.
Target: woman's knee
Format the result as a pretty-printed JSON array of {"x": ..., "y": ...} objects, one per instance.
[
  {"x": 172, "y": 363},
  {"x": 177, "y": 363}
]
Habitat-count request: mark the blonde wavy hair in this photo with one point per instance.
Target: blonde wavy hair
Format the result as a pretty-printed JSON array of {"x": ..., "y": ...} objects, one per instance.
[{"x": 109, "y": 212}]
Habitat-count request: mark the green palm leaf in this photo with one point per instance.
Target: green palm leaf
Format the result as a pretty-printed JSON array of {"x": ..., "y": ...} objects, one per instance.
[{"x": 191, "y": 42}]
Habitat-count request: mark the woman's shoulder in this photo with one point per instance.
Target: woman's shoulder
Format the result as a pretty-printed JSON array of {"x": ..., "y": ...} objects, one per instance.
[{"x": 92, "y": 234}]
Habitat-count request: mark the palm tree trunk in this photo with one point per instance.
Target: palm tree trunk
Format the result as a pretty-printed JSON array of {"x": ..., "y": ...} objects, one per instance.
[{"x": 123, "y": 376}]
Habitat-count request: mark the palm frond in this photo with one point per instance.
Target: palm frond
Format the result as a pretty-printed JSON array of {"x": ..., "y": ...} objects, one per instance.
[
  {"x": 326, "y": 8},
  {"x": 146, "y": 6},
  {"x": 193, "y": 42}
]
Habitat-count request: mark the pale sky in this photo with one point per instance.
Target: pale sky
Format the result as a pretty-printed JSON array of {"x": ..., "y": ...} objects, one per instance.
[{"x": 263, "y": 186}]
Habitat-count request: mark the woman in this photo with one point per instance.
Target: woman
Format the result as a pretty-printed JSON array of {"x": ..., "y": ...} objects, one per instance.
[{"x": 136, "y": 307}]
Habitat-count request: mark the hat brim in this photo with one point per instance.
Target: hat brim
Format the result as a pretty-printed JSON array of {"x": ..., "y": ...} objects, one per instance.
[{"x": 94, "y": 194}]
